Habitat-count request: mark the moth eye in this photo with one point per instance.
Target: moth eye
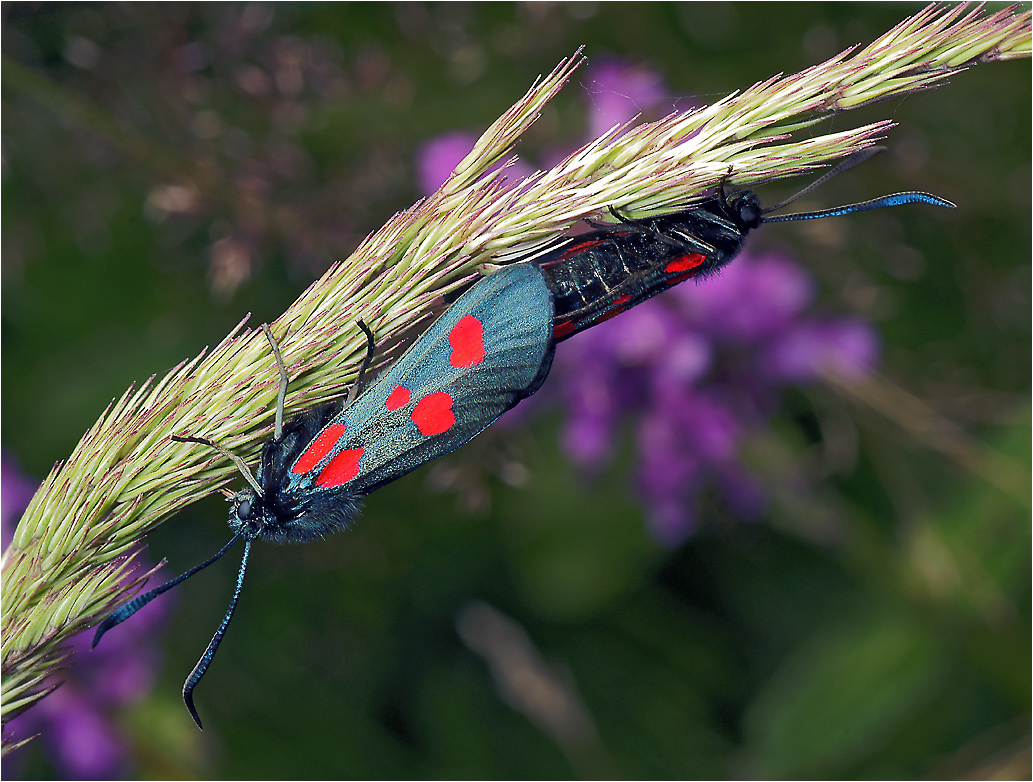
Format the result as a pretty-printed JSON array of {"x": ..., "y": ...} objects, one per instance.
[
  {"x": 244, "y": 510},
  {"x": 750, "y": 215}
]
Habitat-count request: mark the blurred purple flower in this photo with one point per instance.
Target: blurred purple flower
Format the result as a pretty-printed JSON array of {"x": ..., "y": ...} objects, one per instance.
[
  {"x": 847, "y": 347},
  {"x": 16, "y": 490},
  {"x": 749, "y": 301},
  {"x": 72, "y": 721},
  {"x": 617, "y": 92},
  {"x": 81, "y": 741},
  {"x": 436, "y": 159},
  {"x": 696, "y": 371}
]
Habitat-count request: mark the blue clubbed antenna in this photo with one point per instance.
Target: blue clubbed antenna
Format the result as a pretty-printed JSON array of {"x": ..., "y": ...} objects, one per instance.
[{"x": 896, "y": 199}]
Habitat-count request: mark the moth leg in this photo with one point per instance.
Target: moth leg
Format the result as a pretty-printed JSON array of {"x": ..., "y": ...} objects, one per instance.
[
  {"x": 722, "y": 195},
  {"x": 687, "y": 241},
  {"x": 618, "y": 217},
  {"x": 282, "y": 395},
  {"x": 370, "y": 345},
  {"x": 241, "y": 465},
  {"x": 607, "y": 226}
]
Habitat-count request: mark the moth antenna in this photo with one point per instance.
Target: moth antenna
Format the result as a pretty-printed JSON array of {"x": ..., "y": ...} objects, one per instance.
[
  {"x": 241, "y": 464},
  {"x": 846, "y": 164},
  {"x": 213, "y": 646},
  {"x": 140, "y": 601},
  {"x": 282, "y": 394},
  {"x": 896, "y": 199}
]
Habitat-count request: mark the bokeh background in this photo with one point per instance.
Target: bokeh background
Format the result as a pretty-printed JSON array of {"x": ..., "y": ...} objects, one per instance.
[{"x": 712, "y": 565}]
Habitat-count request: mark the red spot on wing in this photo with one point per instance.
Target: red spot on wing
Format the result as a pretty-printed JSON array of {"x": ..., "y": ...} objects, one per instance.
[
  {"x": 341, "y": 469},
  {"x": 319, "y": 448},
  {"x": 681, "y": 277},
  {"x": 564, "y": 329},
  {"x": 579, "y": 247},
  {"x": 467, "y": 341},
  {"x": 615, "y": 309},
  {"x": 398, "y": 398},
  {"x": 433, "y": 414},
  {"x": 684, "y": 263},
  {"x": 566, "y": 252}
]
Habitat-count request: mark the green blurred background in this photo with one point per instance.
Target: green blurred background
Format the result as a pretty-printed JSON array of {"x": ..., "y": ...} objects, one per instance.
[{"x": 879, "y": 627}]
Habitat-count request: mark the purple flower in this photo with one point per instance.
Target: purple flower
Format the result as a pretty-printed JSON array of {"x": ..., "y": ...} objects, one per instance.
[
  {"x": 847, "y": 347},
  {"x": 73, "y": 721},
  {"x": 748, "y": 301},
  {"x": 81, "y": 740},
  {"x": 16, "y": 490},
  {"x": 436, "y": 159},
  {"x": 698, "y": 371},
  {"x": 617, "y": 92}
]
